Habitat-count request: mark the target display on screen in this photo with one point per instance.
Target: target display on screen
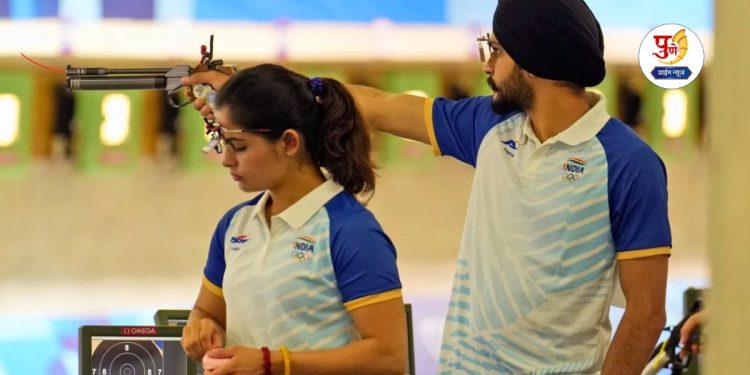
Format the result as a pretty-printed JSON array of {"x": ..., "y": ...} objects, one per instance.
[
  {"x": 136, "y": 350},
  {"x": 131, "y": 357}
]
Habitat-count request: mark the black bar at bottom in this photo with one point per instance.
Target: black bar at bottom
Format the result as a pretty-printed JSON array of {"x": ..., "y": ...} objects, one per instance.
[{"x": 117, "y": 83}]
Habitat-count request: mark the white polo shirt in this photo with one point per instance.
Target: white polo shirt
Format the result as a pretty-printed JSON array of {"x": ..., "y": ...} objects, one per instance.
[
  {"x": 295, "y": 284},
  {"x": 545, "y": 224}
]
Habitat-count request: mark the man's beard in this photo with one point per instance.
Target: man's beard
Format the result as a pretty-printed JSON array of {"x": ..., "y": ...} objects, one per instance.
[{"x": 512, "y": 95}]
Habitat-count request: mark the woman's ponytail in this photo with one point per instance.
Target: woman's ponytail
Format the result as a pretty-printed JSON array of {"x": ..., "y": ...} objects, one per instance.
[{"x": 344, "y": 141}]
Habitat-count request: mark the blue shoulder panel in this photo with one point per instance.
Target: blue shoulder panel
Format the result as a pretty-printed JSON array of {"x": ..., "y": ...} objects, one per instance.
[
  {"x": 460, "y": 125},
  {"x": 637, "y": 187},
  {"x": 364, "y": 258}
]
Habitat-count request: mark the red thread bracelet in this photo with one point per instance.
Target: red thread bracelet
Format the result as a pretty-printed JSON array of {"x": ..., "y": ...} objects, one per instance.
[{"x": 266, "y": 360}]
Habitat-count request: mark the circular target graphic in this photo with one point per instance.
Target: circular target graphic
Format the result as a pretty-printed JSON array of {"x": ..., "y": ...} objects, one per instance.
[{"x": 113, "y": 357}]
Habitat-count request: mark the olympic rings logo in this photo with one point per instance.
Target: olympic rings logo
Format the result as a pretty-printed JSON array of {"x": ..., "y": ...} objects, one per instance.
[
  {"x": 571, "y": 177},
  {"x": 301, "y": 255}
]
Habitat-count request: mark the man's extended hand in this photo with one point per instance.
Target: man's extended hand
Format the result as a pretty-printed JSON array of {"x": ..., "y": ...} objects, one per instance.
[{"x": 213, "y": 78}]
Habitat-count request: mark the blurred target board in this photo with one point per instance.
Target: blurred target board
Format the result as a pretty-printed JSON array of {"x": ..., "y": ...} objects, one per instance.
[
  {"x": 16, "y": 92},
  {"x": 109, "y": 129},
  {"x": 132, "y": 350}
]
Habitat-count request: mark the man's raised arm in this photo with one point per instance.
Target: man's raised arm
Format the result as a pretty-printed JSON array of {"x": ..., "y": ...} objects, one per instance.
[
  {"x": 402, "y": 115},
  {"x": 398, "y": 114}
]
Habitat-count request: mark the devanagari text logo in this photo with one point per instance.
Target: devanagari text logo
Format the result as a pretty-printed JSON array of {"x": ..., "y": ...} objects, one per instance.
[{"x": 671, "y": 56}]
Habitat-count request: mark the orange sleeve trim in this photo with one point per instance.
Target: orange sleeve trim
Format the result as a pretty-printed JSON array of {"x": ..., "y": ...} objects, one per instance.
[
  {"x": 430, "y": 127},
  {"x": 213, "y": 288},
  {"x": 635, "y": 254},
  {"x": 372, "y": 299}
]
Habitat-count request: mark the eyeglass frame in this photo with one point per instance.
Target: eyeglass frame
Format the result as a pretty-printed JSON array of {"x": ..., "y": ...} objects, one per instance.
[
  {"x": 216, "y": 132},
  {"x": 492, "y": 50}
]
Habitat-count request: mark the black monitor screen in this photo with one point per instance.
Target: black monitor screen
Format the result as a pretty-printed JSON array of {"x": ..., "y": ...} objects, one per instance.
[{"x": 132, "y": 350}]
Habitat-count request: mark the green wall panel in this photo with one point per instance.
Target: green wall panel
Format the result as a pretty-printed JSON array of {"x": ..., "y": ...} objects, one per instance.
[
  {"x": 91, "y": 116},
  {"x": 654, "y": 110},
  {"x": 17, "y": 90},
  {"x": 608, "y": 88}
]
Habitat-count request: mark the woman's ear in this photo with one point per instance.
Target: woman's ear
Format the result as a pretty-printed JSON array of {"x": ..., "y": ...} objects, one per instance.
[{"x": 291, "y": 142}]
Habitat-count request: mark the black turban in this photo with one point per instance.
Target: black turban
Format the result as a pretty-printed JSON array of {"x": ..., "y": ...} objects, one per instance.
[{"x": 554, "y": 39}]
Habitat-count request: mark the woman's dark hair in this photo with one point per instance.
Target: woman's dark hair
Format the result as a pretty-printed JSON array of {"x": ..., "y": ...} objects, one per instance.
[{"x": 272, "y": 97}]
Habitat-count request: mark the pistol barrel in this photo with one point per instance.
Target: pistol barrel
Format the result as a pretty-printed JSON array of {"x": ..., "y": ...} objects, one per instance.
[
  {"x": 116, "y": 83},
  {"x": 71, "y": 71}
]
